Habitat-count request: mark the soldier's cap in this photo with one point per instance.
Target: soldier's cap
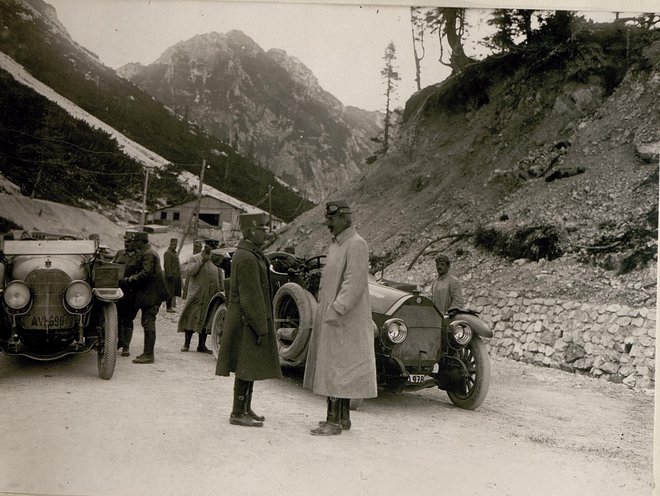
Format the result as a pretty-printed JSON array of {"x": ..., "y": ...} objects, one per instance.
[
  {"x": 136, "y": 236},
  {"x": 174, "y": 239},
  {"x": 247, "y": 221},
  {"x": 337, "y": 207}
]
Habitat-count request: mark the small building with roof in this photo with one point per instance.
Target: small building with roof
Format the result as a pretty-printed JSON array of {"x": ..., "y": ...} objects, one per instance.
[{"x": 217, "y": 210}]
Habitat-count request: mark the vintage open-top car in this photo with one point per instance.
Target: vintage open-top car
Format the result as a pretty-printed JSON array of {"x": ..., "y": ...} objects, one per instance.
[
  {"x": 58, "y": 298},
  {"x": 416, "y": 345}
]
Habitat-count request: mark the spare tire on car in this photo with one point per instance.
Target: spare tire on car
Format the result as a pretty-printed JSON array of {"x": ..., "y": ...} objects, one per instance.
[{"x": 293, "y": 309}]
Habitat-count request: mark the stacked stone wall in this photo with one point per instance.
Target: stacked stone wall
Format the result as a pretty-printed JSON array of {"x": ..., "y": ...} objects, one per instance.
[{"x": 613, "y": 342}]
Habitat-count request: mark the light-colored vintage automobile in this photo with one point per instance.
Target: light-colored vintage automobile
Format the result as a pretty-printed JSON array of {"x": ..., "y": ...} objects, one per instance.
[
  {"x": 416, "y": 345},
  {"x": 58, "y": 298}
]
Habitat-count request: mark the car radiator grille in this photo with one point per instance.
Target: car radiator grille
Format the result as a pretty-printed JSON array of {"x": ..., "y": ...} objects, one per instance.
[
  {"x": 424, "y": 342},
  {"x": 47, "y": 311}
]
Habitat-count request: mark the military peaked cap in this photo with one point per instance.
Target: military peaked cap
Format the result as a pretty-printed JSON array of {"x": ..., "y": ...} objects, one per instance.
[
  {"x": 136, "y": 236},
  {"x": 337, "y": 207},
  {"x": 253, "y": 220}
]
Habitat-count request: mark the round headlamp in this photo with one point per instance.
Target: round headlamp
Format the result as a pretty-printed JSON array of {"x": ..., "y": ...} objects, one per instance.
[
  {"x": 461, "y": 332},
  {"x": 17, "y": 295},
  {"x": 78, "y": 294},
  {"x": 395, "y": 330}
]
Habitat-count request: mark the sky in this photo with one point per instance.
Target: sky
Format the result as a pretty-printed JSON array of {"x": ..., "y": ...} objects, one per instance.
[{"x": 342, "y": 44}]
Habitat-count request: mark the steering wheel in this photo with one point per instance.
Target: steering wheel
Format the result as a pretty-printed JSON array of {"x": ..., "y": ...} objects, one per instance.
[
  {"x": 282, "y": 259},
  {"x": 317, "y": 262}
]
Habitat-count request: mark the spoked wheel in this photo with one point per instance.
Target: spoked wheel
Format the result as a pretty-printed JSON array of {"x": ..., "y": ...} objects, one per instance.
[
  {"x": 471, "y": 389},
  {"x": 293, "y": 309},
  {"x": 106, "y": 357},
  {"x": 217, "y": 326}
]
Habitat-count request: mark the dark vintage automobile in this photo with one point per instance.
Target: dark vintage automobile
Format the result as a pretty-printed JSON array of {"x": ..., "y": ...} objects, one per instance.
[
  {"x": 58, "y": 298},
  {"x": 416, "y": 345}
]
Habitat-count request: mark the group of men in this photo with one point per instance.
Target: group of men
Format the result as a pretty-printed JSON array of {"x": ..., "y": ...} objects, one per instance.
[
  {"x": 341, "y": 362},
  {"x": 146, "y": 286}
]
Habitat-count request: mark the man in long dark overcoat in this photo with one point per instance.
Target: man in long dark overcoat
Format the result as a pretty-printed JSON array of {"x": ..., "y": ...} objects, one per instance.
[
  {"x": 144, "y": 280},
  {"x": 172, "y": 269},
  {"x": 248, "y": 346}
]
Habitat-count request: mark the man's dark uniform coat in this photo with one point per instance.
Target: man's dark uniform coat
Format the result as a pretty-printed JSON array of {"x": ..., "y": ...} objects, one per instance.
[
  {"x": 172, "y": 269},
  {"x": 249, "y": 315},
  {"x": 144, "y": 279}
]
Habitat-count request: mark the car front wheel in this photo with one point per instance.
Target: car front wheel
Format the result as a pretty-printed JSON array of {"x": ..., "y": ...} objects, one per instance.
[
  {"x": 471, "y": 389},
  {"x": 107, "y": 351}
]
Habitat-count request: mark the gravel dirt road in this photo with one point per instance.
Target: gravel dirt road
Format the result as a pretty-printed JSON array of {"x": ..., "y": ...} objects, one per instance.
[{"x": 163, "y": 429}]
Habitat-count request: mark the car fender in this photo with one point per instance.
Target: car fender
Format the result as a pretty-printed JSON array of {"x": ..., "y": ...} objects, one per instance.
[
  {"x": 108, "y": 294},
  {"x": 215, "y": 300},
  {"x": 478, "y": 326}
]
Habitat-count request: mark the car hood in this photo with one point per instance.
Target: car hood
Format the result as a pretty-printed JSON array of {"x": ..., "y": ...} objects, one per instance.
[
  {"x": 384, "y": 298},
  {"x": 72, "y": 265}
]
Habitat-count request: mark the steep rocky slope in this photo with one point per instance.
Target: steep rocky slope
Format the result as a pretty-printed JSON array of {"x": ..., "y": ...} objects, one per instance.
[
  {"x": 267, "y": 104},
  {"x": 546, "y": 160}
]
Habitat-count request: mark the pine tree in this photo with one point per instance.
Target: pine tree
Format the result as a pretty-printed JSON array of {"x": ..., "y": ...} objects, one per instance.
[{"x": 391, "y": 77}]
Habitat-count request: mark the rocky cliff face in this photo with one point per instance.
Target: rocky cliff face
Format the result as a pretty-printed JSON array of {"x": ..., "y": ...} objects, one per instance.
[
  {"x": 538, "y": 173},
  {"x": 268, "y": 105}
]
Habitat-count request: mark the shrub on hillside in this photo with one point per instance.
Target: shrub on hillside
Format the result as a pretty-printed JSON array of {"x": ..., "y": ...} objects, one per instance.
[{"x": 532, "y": 243}]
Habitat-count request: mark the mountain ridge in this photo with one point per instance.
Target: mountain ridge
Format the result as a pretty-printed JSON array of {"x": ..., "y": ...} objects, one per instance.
[{"x": 266, "y": 103}]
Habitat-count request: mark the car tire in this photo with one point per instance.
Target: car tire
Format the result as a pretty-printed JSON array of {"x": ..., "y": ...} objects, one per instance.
[
  {"x": 217, "y": 327},
  {"x": 293, "y": 307},
  {"x": 106, "y": 357},
  {"x": 471, "y": 392}
]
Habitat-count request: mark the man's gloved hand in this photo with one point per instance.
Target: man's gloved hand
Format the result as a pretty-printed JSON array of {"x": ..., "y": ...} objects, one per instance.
[{"x": 259, "y": 340}]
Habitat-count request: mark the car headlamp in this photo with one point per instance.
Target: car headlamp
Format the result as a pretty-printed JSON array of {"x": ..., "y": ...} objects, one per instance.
[
  {"x": 395, "y": 330},
  {"x": 78, "y": 294},
  {"x": 461, "y": 332},
  {"x": 17, "y": 295}
]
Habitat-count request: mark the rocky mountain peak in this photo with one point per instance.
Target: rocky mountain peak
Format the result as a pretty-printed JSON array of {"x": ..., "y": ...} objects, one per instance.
[{"x": 268, "y": 105}]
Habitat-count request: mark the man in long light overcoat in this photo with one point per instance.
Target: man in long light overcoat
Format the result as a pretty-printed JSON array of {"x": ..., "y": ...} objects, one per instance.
[
  {"x": 248, "y": 346},
  {"x": 341, "y": 362},
  {"x": 205, "y": 280}
]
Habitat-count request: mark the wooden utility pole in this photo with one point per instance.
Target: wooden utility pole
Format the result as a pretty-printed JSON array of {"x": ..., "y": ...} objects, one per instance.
[
  {"x": 199, "y": 199},
  {"x": 270, "y": 208},
  {"x": 144, "y": 199}
]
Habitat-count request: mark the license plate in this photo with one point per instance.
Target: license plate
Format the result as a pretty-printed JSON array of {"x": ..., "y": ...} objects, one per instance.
[
  {"x": 416, "y": 378},
  {"x": 32, "y": 321}
]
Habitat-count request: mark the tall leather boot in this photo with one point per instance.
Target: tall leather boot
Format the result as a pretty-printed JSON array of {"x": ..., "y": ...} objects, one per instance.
[
  {"x": 201, "y": 346},
  {"x": 258, "y": 418},
  {"x": 239, "y": 415},
  {"x": 187, "y": 339},
  {"x": 328, "y": 412},
  {"x": 344, "y": 414},
  {"x": 149, "y": 344},
  {"x": 332, "y": 426},
  {"x": 127, "y": 335}
]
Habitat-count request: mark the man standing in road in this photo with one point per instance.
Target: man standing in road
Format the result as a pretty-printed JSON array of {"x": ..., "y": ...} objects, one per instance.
[
  {"x": 172, "y": 270},
  {"x": 205, "y": 281},
  {"x": 341, "y": 362},
  {"x": 125, "y": 313},
  {"x": 197, "y": 247},
  {"x": 144, "y": 280},
  {"x": 446, "y": 290},
  {"x": 248, "y": 345}
]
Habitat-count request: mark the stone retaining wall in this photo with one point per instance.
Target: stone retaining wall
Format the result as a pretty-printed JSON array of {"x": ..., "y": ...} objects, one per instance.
[{"x": 614, "y": 342}]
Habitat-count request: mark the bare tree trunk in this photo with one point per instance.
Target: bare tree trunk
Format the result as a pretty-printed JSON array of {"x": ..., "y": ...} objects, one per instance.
[{"x": 453, "y": 31}]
